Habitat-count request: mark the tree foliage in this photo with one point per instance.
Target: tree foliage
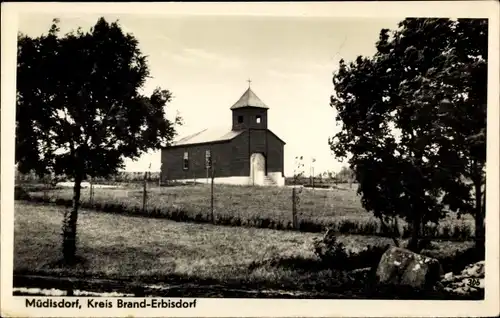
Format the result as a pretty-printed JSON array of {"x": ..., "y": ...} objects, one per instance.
[
  {"x": 80, "y": 93},
  {"x": 414, "y": 118},
  {"x": 80, "y": 111},
  {"x": 345, "y": 175}
]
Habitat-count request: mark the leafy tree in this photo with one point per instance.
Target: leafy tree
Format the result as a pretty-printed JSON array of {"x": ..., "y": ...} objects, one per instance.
[
  {"x": 346, "y": 175},
  {"x": 331, "y": 175},
  {"x": 413, "y": 121},
  {"x": 79, "y": 109},
  {"x": 461, "y": 81}
]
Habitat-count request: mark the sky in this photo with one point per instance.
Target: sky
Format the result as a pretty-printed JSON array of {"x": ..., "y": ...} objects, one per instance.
[{"x": 205, "y": 61}]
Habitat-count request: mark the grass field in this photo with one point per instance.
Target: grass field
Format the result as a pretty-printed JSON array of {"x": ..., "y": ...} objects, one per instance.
[
  {"x": 264, "y": 207},
  {"x": 156, "y": 250}
]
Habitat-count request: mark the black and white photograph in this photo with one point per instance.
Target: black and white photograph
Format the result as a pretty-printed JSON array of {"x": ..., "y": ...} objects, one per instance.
[{"x": 160, "y": 160}]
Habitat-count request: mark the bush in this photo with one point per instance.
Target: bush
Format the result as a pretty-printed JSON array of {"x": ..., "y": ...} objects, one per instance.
[
  {"x": 457, "y": 261},
  {"x": 21, "y": 194},
  {"x": 330, "y": 250},
  {"x": 334, "y": 255}
]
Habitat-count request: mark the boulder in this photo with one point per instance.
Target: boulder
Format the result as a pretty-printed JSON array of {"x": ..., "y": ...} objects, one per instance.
[
  {"x": 399, "y": 267},
  {"x": 474, "y": 270},
  {"x": 448, "y": 277},
  {"x": 470, "y": 281}
]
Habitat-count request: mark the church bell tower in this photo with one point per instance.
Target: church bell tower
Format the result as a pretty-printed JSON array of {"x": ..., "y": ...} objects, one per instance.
[{"x": 249, "y": 112}]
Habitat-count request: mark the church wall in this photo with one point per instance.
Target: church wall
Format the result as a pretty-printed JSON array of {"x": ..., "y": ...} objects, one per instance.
[
  {"x": 240, "y": 157},
  {"x": 262, "y": 141},
  {"x": 275, "y": 156},
  {"x": 231, "y": 159},
  {"x": 173, "y": 158},
  {"x": 258, "y": 142}
]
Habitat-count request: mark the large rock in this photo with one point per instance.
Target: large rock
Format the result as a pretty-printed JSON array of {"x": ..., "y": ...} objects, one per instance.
[
  {"x": 469, "y": 282},
  {"x": 474, "y": 270},
  {"x": 399, "y": 267}
]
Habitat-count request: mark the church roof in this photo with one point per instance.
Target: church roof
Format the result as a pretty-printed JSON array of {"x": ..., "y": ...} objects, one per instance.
[
  {"x": 249, "y": 99},
  {"x": 208, "y": 135}
]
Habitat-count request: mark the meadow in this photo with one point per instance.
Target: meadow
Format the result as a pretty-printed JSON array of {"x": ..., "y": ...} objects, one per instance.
[
  {"x": 164, "y": 252},
  {"x": 338, "y": 208}
]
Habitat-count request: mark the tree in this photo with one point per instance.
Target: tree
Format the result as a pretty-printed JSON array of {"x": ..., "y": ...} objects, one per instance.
[
  {"x": 346, "y": 175},
  {"x": 462, "y": 119},
  {"x": 414, "y": 119},
  {"x": 79, "y": 110}
]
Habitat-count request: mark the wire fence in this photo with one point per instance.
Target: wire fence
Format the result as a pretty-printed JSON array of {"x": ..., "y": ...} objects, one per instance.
[{"x": 291, "y": 207}]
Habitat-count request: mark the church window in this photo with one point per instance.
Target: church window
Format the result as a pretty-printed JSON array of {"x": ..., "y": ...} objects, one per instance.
[
  {"x": 186, "y": 160},
  {"x": 208, "y": 159},
  {"x": 240, "y": 119},
  {"x": 257, "y": 120}
]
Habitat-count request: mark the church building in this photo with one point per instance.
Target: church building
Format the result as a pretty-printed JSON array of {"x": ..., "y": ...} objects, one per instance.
[{"x": 248, "y": 153}]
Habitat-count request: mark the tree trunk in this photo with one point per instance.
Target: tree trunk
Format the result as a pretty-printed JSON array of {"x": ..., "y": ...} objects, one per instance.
[
  {"x": 392, "y": 232},
  {"x": 69, "y": 223},
  {"x": 479, "y": 214},
  {"x": 415, "y": 233},
  {"x": 294, "y": 208}
]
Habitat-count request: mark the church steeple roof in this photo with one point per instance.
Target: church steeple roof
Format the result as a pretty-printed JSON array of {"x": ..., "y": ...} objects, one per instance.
[{"x": 249, "y": 99}]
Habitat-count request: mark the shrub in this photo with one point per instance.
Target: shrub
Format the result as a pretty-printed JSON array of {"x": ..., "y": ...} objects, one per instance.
[
  {"x": 330, "y": 250},
  {"x": 368, "y": 257},
  {"x": 348, "y": 226},
  {"x": 446, "y": 231},
  {"x": 308, "y": 226},
  {"x": 21, "y": 194},
  {"x": 458, "y": 260},
  {"x": 461, "y": 231},
  {"x": 335, "y": 255},
  {"x": 370, "y": 228},
  {"x": 431, "y": 230}
]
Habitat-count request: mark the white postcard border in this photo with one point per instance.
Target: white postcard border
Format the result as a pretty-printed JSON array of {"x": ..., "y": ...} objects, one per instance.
[{"x": 15, "y": 306}]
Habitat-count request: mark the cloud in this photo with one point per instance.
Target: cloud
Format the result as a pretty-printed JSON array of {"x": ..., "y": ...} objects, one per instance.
[
  {"x": 303, "y": 70},
  {"x": 196, "y": 56},
  {"x": 201, "y": 54},
  {"x": 289, "y": 75}
]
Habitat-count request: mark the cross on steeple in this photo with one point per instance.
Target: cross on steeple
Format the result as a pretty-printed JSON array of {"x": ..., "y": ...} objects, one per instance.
[{"x": 249, "y": 82}]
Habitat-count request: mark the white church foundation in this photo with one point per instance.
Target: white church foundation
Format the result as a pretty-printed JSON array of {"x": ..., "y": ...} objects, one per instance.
[
  {"x": 272, "y": 179},
  {"x": 277, "y": 178}
]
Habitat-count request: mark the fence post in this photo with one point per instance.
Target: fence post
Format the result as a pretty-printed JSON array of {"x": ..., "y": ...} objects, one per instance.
[
  {"x": 91, "y": 192},
  {"x": 144, "y": 194},
  {"x": 312, "y": 172},
  {"x": 212, "y": 196},
  {"x": 294, "y": 208}
]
